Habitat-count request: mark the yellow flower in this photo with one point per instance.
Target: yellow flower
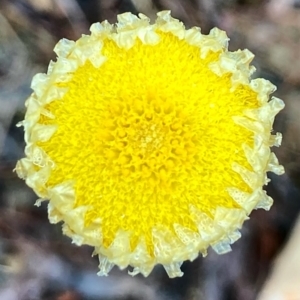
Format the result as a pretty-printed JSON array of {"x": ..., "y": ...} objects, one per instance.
[{"x": 150, "y": 142}]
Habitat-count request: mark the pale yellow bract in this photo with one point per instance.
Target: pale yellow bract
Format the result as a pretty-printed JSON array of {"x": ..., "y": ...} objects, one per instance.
[{"x": 150, "y": 142}]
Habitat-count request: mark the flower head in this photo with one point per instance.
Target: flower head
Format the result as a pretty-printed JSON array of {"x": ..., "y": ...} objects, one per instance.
[{"x": 150, "y": 142}]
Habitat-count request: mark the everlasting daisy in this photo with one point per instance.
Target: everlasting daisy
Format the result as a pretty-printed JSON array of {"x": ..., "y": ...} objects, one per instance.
[{"x": 150, "y": 141}]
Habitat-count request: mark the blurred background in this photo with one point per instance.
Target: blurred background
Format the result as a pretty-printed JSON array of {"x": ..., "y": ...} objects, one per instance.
[{"x": 38, "y": 263}]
